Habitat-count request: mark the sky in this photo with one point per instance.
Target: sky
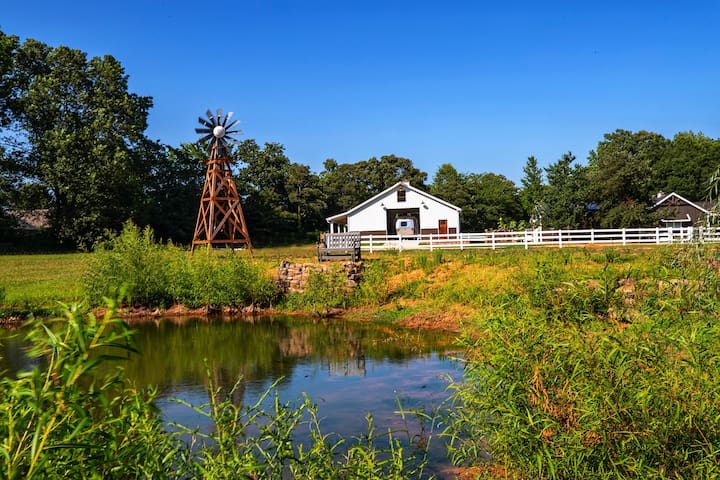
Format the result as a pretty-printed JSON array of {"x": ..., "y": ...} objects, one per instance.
[{"x": 481, "y": 85}]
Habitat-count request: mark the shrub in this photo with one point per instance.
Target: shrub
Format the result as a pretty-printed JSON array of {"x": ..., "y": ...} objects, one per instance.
[
  {"x": 159, "y": 275},
  {"x": 134, "y": 261},
  {"x": 69, "y": 419},
  {"x": 548, "y": 396},
  {"x": 324, "y": 290},
  {"x": 217, "y": 281}
]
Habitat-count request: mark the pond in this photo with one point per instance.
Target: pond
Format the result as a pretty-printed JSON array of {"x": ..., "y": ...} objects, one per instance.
[{"x": 348, "y": 368}]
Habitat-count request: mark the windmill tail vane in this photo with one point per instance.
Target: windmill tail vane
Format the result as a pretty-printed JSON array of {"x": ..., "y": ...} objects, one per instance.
[{"x": 220, "y": 220}]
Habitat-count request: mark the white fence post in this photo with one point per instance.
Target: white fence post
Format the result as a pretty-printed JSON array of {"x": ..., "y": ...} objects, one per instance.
[
  {"x": 592, "y": 235},
  {"x": 492, "y": 240},
  {"x": 623, "y": 237},
  {"x": 559, "y": 238},
  {"x": 461, "y": 239},
  {"x": 657, "y": 235},
  {"x": 431, "y": 245},
  {"x": 371, "y": 244}
]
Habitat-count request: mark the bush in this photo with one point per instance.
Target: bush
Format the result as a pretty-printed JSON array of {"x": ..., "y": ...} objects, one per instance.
[
  {"x": 324, "y": 290},
  {"x": 213, "y": 281},
  {"x": 134, "y": 261},
  {"x": 156, "y": 275},
  {"x": 556, "y": 389}
]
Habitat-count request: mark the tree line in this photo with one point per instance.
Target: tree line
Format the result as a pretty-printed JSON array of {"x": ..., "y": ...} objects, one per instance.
[{"x": 73, "y": 142}]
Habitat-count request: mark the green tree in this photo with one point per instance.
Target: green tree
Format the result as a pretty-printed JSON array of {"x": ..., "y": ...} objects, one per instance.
[
  {"x": 343, "y": 185},
  {"x": 82, "y": 131},
  {"x": 388, "y": 170},
  {"x": 262, "y": 184},
  {"x": 450, "y": 185},
  {"x": 486, "y": 199},
  {"x": 172, "y": 189},
  {"x": 620, "y": 175},
  {"x": 348, "y": 184},
  {"x": 566, "y": 201},
  {"x": 306, "y": 198},
  {"x": 532, "y": 193},
  {"x": 494, "y": 199},
  {"x": 686, "y": 164}
]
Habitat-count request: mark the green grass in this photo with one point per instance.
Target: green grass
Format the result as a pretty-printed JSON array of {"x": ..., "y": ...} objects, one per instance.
[
  {"x": 42, "y": 280},
  {"x": 581, "y": 363}
]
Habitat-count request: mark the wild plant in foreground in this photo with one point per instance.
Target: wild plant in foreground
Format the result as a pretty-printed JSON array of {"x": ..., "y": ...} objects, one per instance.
[
  {"x": 63, "y": 420},
  {"x": 574, "y": 395},
  {"x": 73, "y": 416}
]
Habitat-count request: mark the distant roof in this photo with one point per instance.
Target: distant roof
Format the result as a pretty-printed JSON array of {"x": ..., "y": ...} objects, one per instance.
[
  {"x": 405, "y": 185},
  {"x": 670, "y": 196},
  {"x": 30, "y": 219}
]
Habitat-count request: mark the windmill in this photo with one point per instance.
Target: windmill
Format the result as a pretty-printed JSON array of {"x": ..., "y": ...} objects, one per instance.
[{"x": 220, "y": 219}]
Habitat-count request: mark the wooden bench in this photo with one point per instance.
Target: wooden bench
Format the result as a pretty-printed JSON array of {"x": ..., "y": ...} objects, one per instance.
[{"x": 339, "y": 246}]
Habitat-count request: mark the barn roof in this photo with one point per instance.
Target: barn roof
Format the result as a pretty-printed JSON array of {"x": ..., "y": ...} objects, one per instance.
[{"x": 406, "y": 185}]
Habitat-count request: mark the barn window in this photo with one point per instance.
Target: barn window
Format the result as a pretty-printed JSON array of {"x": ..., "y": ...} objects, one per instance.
[{"x": 401, "y": 194}]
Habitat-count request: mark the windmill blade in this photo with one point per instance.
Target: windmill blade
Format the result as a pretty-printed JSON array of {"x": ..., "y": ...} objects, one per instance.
[
  {"x": 233, "y": 132},
  {"x": 219, "y": 115},
  {"x": 205, "y": 122},
  {"x": 236, "y": 122},
  {"x": 206, "y": 138},
  {"x": 211, "y": 117},
  {"x": 203, "y": 130},
  {"x": 227, "y": 118}
]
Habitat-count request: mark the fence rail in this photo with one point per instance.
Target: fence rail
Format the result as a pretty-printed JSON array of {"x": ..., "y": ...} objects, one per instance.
[{"x": 529, "y": 238}]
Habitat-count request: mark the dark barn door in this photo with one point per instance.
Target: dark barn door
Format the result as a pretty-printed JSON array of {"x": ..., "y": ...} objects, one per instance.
[{"x": 393, "y": 215}]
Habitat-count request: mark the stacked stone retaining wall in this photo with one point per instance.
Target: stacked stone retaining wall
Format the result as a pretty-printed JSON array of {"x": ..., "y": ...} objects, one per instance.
[{"x": 293, "y": 277}]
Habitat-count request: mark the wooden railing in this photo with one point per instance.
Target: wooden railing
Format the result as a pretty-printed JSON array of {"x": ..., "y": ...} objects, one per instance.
[
  {"x": 336, "y": 246},
  {"x": 529, "y": 238}
]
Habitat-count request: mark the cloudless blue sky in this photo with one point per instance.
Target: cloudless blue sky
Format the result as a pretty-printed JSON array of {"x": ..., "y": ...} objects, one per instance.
[{"x": 479, "y": 84}]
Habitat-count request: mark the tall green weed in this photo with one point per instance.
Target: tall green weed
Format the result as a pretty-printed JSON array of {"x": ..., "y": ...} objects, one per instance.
[
  {"x": 556, "y": 388},
  {"x": 67, "y": 419},
  {"x": 73, "y": 416},
  {"x": 154, "y": 274},
  {"x": 132, "y": 260},
  {"x": 324, "y": 290}
]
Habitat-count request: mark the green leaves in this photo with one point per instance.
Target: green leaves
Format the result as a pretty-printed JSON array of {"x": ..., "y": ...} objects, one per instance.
[
  {"x": 597, "y": 378},
  {"x": 82, "y": 129}
]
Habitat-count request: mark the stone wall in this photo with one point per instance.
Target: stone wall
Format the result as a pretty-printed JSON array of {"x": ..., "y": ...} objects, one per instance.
[{"x": 293, "y": 277}]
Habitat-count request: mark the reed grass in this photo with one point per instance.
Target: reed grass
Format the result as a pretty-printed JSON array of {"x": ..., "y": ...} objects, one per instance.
[{"x": 72, "y": 416}]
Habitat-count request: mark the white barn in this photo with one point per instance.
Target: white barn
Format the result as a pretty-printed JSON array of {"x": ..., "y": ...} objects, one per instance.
[{"x": 401, "y": 209}]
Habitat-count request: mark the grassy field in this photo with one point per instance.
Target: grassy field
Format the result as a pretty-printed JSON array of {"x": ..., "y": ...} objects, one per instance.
[
  {"x": 42, "y": 280},
  {"x": 580, "y": 362}
]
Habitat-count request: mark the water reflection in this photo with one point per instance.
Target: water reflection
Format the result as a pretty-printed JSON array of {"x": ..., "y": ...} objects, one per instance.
[{"x": 348, "y": 368}]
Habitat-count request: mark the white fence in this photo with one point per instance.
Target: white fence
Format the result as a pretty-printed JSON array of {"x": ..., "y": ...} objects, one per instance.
[{"x": 528, "y": 238}]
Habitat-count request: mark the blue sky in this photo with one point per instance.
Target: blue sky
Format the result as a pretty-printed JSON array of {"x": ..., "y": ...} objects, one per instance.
[{"x": 479, "y": 84}]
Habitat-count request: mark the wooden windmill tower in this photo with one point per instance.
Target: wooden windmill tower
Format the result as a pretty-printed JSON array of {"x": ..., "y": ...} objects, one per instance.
[{"x": 220, "y": 220}]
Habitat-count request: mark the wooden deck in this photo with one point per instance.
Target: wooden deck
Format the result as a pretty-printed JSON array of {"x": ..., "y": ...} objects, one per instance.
[{"x": 339, "y": 246}]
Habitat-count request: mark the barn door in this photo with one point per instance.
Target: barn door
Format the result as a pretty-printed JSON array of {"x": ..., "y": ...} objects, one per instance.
[{"x": 442, "y": 228}]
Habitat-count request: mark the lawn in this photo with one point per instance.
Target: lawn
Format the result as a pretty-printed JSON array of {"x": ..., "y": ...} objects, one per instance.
[{"x": 42, "y": 280}]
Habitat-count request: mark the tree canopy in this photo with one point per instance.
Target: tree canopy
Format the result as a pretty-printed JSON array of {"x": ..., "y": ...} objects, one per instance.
[
  {"x": 72, "y": 141},
  {"x": 81, "y": 137}
]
